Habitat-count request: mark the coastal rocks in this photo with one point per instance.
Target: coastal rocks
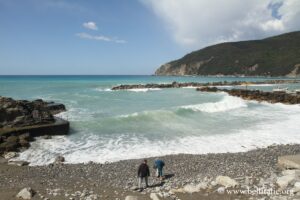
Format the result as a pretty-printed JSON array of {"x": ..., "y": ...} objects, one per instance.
[
  {"x": 7, "y": 146},
  {"x": 25, "y": 193},
  {"x": 226, "y": 181},
  {"x": 272, "y": 97},
  {"x": 196, "y": 84},
  {"x": 13, "y": 142},
  {"x": 21, "y": 121},
  {"x": 20, "y": 113}
]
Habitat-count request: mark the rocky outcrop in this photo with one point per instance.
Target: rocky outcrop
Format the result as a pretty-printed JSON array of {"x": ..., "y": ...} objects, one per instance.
[
  {"x": 196, "y": 84},
  {"x": 20, "y": 113},
  {"x": 272, "y": 97},
  {"x": 22, "y": 120}
]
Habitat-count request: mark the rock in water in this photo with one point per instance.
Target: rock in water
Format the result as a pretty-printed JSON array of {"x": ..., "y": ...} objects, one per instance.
[
  {"x": 226, "y": 181},
  {"x": 131, "y": 198},
  {"x": 25, "y": 193}
]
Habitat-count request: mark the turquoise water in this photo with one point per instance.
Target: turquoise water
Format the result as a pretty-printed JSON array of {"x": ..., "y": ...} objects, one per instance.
[{"x": 114, "y": 125}]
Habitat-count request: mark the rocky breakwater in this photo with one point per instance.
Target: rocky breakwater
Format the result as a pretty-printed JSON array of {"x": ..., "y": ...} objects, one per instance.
[
  {"x": 272, "y": 97},
  {"x": 197, "y": 84},
  {"x": 22, "y": 120}
]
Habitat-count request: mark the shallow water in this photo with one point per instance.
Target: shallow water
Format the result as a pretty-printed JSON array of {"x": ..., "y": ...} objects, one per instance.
[{"x": 114, "y": 125}]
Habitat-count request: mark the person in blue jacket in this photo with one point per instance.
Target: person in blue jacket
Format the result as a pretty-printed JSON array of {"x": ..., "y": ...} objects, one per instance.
[{"x": 159, "y": 165}]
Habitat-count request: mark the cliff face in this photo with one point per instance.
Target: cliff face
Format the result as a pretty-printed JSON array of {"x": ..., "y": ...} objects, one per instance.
[{"x": 274, "y": 56}]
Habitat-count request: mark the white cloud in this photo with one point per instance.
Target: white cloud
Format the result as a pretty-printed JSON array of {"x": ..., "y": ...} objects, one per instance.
[
  {"x": 90, "y": 25},
  {"x": 100, "y": 38},
  {"x": 198, "y": 23}
]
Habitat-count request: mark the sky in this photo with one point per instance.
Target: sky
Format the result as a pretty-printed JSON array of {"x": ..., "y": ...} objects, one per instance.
[{"x": 121, "y": 37}]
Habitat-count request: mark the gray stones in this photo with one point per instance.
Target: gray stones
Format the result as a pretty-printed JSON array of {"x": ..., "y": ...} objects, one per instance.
[
  {"x": 25, "y": 193},
  {"x": 22, "y": 120},
  {"x": 272, "y": 97}
]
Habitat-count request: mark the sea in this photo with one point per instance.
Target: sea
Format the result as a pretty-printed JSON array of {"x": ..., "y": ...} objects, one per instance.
[{"x": 108, "y": 126}]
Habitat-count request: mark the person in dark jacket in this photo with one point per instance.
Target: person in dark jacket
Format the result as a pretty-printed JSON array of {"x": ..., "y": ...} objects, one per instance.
[
  {"x": 143, "y": 173},
  {"x": 159, "y": 165}
]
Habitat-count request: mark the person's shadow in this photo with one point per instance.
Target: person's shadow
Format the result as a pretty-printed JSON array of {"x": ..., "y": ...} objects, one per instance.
[{"x": 166, "y": 176}]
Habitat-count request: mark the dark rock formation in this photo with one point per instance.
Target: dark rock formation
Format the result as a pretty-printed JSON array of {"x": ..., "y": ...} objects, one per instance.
[
  {"x": 21, "y": 121},
  {"x": 196, "y": 84},
  {"x": 274, "y": 56},
  {"x": 20, "y": 113},
  {"x": 272, "y": 97}
]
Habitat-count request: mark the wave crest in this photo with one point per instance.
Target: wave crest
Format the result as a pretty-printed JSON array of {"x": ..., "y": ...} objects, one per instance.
[
  {"x": 143, "y": 89},
  {"x": 227, "y": 103}
]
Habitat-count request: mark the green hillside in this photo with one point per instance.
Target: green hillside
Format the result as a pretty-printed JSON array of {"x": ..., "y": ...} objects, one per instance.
[{"x": 274, "y": 56}]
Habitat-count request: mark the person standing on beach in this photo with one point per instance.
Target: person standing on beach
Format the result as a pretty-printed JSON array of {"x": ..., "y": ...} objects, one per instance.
[
  {"x": 143, "y": 173},
  {"x": 159, "y": 165}
]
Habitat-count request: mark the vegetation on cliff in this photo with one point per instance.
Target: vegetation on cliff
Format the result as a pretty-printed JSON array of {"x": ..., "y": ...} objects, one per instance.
[{"x": 274, "y": 56}]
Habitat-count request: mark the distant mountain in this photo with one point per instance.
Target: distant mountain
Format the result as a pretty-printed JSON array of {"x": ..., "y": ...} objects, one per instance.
[{"x": 273, "y": 56}]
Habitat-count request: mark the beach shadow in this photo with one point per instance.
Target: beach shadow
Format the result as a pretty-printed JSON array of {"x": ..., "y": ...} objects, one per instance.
[
  {"x": 168, "y": 176},
  {"x": 157, "y": 184},
  {"x": 161, "y": 183}
]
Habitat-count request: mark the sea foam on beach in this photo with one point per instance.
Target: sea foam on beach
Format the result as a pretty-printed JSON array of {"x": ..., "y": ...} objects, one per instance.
[{"x": 110, "y": 126}]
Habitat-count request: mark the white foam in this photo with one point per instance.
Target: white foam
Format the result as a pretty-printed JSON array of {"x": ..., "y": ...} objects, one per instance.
[
  {"x": 101, "y": 149},
  {"x": 129, "y": 115},
  {"x": 190, "y": 87},
  {"x": 76, "y": 114},
  {"x": 282, "y": 129},
  {"x": 261, "y": 85},
  {"x": 227, "y": 103},
  {"x": 223, "y": 86},
  {"x": 104, "y": 89},
  {"x": 143, "y": 89}
]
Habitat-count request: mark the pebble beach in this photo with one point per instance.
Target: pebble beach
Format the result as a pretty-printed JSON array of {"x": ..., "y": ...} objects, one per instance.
[{"x": 118, "y": 180}]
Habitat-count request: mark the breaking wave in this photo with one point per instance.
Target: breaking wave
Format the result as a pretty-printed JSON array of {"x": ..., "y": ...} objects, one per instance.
[
  {"x": 227, "y": 103},
  {"x": 143, "y": 89}
]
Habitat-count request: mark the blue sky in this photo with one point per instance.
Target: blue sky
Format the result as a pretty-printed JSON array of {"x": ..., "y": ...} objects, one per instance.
[
  {"x": 126, "y": 36},
  {"x": 40, "y": 38}
]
